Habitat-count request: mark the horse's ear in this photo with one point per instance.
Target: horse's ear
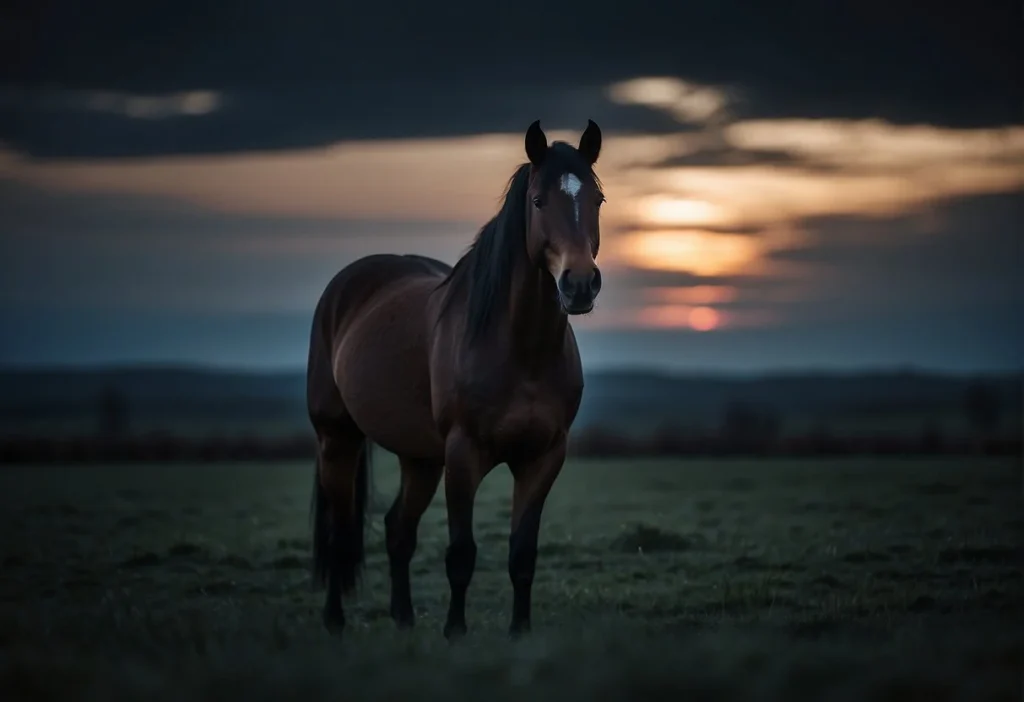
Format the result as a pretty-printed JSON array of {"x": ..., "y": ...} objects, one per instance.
[
  {"x": 590, "y": 142},
  {"x": 536, "y": 144}
]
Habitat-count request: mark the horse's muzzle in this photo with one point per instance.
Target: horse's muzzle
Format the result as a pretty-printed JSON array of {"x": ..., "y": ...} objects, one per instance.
[{"x": 578, "y": 291}]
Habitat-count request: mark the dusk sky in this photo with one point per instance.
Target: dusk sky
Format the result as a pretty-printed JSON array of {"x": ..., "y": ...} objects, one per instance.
[{"x": 814, "y": 184}]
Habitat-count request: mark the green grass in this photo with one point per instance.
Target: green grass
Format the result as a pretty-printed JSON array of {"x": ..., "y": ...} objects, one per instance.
[{"x": 859, "y": 578}]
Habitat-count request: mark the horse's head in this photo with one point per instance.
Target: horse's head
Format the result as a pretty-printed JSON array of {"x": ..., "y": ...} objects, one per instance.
[{"x": 563, "y": 231}]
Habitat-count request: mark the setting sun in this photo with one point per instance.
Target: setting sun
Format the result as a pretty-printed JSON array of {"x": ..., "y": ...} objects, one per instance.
[
  {"x": 689, "y": 251},
  {"x": 703, "y": 318},
  {"x": 680, "y": 316}
]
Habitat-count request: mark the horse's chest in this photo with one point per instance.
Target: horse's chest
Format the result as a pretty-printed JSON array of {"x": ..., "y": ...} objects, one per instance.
[{"x": 525, "y": 424}]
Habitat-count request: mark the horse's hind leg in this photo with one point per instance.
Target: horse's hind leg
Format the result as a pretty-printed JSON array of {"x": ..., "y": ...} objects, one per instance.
[
  {"x": 340, "y": 504},
  {"x": 419, "y": 483}
]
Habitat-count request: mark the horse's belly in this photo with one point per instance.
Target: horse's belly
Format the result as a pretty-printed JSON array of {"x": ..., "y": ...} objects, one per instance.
[{"x": 381, "y": 370}]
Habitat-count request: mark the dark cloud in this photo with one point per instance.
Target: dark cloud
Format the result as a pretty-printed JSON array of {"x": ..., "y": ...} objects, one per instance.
[
  {"x": 962, "y": 257},
  {"x": 310, "y": 72},
  {"x": 637, "y": 277},
  {"x": 975, "y": 235},
  {"x": 82, "y": 252},
  {"x": 309, "y": 116},
  {"x": 726, "y": 155}
]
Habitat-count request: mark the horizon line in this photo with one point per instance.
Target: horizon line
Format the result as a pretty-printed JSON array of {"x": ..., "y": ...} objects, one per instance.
[{"x": 604, "y": 369}]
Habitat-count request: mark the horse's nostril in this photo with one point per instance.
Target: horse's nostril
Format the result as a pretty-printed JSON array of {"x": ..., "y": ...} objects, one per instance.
[
  {"x": 595, "y": 282},
  {"x": 564, "y": 283}
]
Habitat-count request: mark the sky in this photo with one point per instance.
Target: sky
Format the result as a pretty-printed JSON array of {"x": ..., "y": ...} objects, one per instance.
[{"x": 828, "y": 185}]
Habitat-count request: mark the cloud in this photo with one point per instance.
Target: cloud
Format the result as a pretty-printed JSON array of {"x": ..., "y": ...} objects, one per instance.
[
  {"x": 459, "y": 179},
  {"x": 776, "y": 173},
  {"x": 312, "y": 72},
  {"x": 37, "y": 123},
  {"x": 250, "y": 223},
  {"x": 875, "y": 145},
  {"x": 690, "y": 251},
  {"x": 955, "y": 263},
  {"x": 144, "y": 278},
  {"x": 689, "y": 103},
  {"x": 73, "y": 251},
  {"x": 727, "y": 155},
  {"x": 964, "y": 256},
  {"x": 83, "y": 250}
]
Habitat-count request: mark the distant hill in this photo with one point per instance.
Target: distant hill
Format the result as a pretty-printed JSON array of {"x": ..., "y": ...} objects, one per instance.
[{"x": 207, "y": 400}]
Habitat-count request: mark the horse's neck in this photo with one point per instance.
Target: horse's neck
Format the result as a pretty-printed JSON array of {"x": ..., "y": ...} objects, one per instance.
[{"x": 537, "y": 322}]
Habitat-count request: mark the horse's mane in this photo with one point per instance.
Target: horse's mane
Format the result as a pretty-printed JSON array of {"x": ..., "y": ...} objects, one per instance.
[{"x": 485, "y": 271}]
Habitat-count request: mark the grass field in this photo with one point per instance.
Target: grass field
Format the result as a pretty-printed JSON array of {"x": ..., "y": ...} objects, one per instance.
[{"x": 852, "y": 579}]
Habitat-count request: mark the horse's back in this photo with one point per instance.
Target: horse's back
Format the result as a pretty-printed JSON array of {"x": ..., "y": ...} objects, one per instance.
[
  {"x": 358, "y": 282},
  {"x": 369, "y": 348}
]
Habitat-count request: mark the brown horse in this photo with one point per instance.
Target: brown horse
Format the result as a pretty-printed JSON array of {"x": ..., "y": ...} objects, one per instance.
[{"x": 456, "y": 370}]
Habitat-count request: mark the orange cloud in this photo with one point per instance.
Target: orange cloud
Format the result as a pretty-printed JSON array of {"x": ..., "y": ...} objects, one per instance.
[
  {"x": 876, "y": 144},
  {"x": 440, "y": 180},
  {"x": 668, "y": 210},
  {"x": 694, "y": 295},
  {"x": 688, "y": 251}
]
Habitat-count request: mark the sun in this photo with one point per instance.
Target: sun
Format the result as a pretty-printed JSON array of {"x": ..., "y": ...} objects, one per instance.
[
  {"x": 703, "y": 319},
  {"x": 700, "y": 319}
]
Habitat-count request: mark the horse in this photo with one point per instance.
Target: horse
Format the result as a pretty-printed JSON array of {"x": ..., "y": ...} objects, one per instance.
[{"x": 456, "y": 370}]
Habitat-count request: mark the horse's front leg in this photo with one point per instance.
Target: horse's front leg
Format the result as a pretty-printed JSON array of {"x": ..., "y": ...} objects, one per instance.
[
  {"x": 533, "y": 481},
  {"x": 465, "y": 467}
]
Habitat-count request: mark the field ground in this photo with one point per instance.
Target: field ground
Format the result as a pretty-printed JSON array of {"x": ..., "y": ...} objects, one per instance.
[{"x": 849, "y": 579}]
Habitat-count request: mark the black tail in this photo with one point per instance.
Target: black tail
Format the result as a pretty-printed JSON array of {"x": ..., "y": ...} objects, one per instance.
[{"x": 335, "y": 541}]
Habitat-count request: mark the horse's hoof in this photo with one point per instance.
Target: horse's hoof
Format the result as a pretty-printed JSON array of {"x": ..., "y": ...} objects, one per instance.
[
  {"x": 403, "y": 619},
  {"x": 453, "y": 631},
  {"x": 334, "y": 623}
]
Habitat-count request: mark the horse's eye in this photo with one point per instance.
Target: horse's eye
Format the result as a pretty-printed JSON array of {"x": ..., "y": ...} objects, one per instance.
[
  {"x": 538, "y": 202},
  {"x": 601, "y": 200}
]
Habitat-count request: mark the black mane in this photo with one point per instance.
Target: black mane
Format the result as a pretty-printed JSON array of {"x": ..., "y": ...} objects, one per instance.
[{"x": 485, "y": 270}]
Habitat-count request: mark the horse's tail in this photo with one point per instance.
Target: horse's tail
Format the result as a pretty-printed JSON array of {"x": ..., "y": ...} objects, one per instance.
[
  {"x": 352, "y": 566},
  {"x": 341, "y": 542}
]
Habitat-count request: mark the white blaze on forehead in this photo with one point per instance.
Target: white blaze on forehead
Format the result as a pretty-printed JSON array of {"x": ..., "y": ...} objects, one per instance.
[{"x": 571, "y": 185}]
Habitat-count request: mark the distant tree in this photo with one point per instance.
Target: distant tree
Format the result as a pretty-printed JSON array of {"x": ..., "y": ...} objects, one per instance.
[
  {"x": 982, "y": 407},
  {"x": 112, "y": 413}
]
